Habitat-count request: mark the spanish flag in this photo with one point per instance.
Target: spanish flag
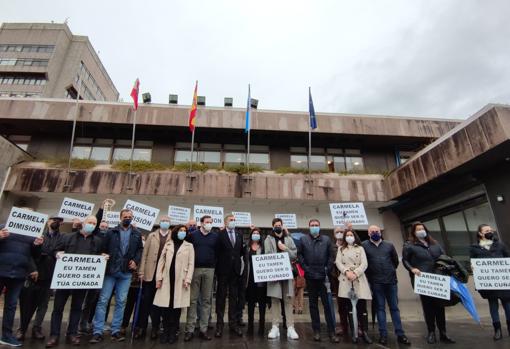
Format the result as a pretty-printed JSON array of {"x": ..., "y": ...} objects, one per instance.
[{"x": 193, "y": 111}]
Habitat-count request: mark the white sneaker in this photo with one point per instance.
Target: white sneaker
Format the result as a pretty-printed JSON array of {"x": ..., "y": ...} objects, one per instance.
[
  {"x": 274, "y": 333},
  {"x": 291, "y": 333}
]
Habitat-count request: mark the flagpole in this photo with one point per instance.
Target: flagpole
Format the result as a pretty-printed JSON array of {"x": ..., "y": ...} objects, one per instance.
[
  {"x": 191, "y": 152},
  {"x": 132, "y": 150},
  {"x": 71, "y": 146},
  {"x": 309, "y": 137},
  {"x": 249, "y": 131}
]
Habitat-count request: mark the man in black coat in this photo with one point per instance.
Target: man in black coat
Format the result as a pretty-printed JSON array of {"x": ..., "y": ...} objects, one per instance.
[
  {"x": 16, "y": 252},
  {"x": 228, "y": 273}
]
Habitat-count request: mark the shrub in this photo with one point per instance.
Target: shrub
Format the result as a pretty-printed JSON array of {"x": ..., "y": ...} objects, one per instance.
[
  {"x": 79, "y": 164},
  {"x": 285, "y": 170},
  {"x": 138, "y": 166},
  {"x": 184, "y": 167},
  {"x": 242, "y": 169}
]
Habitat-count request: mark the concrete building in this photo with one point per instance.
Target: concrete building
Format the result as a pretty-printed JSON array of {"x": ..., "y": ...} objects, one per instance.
[{"x": 47, "y": 60}]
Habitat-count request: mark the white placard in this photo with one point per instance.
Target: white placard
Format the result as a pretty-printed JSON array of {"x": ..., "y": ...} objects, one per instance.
[
  {"x": 79, "y": 271},
  {"x": 72, "y": 208},
  {"x": 143, "y": 215},
  {"x": 112, "y": 218},
  {"x": 491, "y": 273},
  {"x": 271, "y": 267},
  {"x": 178, "y": 215},
  {"x": 215, "y": 212},
  {"x": 243, "y": 219},
  {"x": 26, "y": 222},
  {"x": 353, "y": 212},
  {"x": 433, "y": 285},
  {"x": 289, "y": 220}
]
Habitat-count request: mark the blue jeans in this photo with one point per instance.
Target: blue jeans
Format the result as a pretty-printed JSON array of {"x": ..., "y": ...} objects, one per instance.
[
  {"x": 13, "y": 289},
  {"x": 383, "y": 293},
  {"x": 119, "y": 282},
  {"x": 494, "y": 308}
]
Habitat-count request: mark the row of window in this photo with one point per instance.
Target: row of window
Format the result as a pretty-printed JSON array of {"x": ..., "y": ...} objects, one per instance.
[
  {"x": 27, "y": 48},
  {"x": 22, "y": 80},
  {"x": 19, "y": 94},
  {"x": 94, "y": 92},
  {"x": 25, "y": 62}
]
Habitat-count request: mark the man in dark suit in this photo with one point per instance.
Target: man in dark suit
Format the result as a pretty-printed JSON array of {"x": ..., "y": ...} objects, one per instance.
[{"x": 228, "y": 273}]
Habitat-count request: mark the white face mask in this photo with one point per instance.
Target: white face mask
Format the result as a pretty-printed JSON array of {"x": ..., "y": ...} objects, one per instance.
[
  {"x": 350, "y": 240},
  {"x": 208, "y": 227},
  {"x": 339, "y": 236},
  {"x": 421, "y": 234},
  {"x": 231, "y": 224}
]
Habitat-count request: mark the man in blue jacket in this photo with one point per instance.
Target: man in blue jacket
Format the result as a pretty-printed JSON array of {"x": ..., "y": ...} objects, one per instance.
[
  {"x": 16, "y": 252},
  {"x": 316, "y": 257},
  {"x": 124, "y": 246}
]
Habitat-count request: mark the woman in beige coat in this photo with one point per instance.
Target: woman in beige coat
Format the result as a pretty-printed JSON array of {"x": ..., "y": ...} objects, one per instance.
[
  {"x": 351, "y": 261},
  {"x": 173, "y": 278}
]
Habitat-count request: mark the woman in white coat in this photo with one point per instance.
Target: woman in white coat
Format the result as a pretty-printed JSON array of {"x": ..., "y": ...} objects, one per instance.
[
  {"x": 351, "y": 261},
  {"x": 279, "y": 241},
  {"x": 173, "y": 278}
]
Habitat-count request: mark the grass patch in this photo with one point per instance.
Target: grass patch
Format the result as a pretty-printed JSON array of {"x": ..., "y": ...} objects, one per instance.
[
  {"x": 286, "y": 170},
  {"x": 138, "y": 166},
  {"x": 242, "y": 169},
  {"x": 78, "y": 164},
  {"x": 184, "y": 167}
]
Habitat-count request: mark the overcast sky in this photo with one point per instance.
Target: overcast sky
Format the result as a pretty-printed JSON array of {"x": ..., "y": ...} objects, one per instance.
[{"x": 441, "y": 58}]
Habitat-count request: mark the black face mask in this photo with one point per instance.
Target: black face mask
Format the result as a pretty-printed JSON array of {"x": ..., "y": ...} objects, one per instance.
[
  {"x": 54, "y": 226},
  {"x": 489, "y": 236},
  {"x": 277, "y": 230},
  {"x": 126, "y": 222}
]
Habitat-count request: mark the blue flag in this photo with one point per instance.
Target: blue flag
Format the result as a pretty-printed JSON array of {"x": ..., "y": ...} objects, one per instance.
[
  {"x": 311, "y": 110},
  {"x": 248, "y": 112}
]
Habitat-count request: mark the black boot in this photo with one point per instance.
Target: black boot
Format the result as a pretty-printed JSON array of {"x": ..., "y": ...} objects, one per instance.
[
  {"x": 497, "y": 331},
  {"x": 508, "y": 326},
  {"x": 364, "y": 329}
]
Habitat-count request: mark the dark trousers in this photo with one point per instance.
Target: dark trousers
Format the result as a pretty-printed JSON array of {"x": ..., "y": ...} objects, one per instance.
[
  {"x": 171, "y": 318},
  {"x": 494, "y": 309},
  {"x": 316, "y": 289},
  {"x": 343, "y": 314},
  {"x": 130, "y": 306},
  {"x": 383, "y": 293},
  {"x": 262, "y": 312},
  {"x": 433, "y": 312},
  {"x": 12, "y": 290},
  {"x": 361, "y": 311},
  {"x": 33, "y": 297},
  {"x": 227, "y": 284},
  {"x": 89, "y": 308},
  {"x": 61, "y": 296},
  {"x": 241, "y": 303},
  {"x": 147, "y": 308}
]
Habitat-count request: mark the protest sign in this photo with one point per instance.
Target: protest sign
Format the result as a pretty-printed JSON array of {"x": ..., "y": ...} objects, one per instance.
[
  {"x": 243, "y": 219},
  {"x": 143, "y": 215},
  {"x": 289, "y": 220},
  {"x": 215, "y": 212},
  {"x": 271, "y": 267},
  {"x": 112, "y": 218},
  {"x": 353, "y": 212},
  {"x": 79, "y": 271},
  {"x": 72, "y": 208},
  {"x": 432, "y": 285},
  {"x": 491, "y": 273},
  {"x": 26, "y": 222},
  {"x": 178, "y": 215}
]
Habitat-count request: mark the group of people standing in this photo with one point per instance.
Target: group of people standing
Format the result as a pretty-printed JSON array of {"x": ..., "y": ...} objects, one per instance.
[{"x": 177, "y": 268}]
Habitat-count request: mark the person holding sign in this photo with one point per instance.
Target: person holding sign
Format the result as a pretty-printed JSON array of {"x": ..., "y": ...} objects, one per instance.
[
  {"x": 419, "y": 255},
  {"x": 280, "y": 241},
  {"x": 256, "y": 292},
  {"x": 152, "y": 250},
  {"x": 489, "y": 246},
  {"x": 80, "y": 242},
  {"x": 16, "y": 252},
  {"x": 173, "y": 279},
  {"x": 381, "y": 272},
  {"x": 124, "y": 246},
  {"x": 228, "y": 273},
  {"x": 316, "y": 258},
  {"x": 205, "y": 244},
  {"x": 351, "y": 261}
]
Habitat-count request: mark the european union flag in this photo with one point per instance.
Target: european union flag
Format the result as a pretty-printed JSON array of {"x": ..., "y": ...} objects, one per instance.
[
  {"x": 248, "y": 112},
  {"x": 311, "y": 110}
]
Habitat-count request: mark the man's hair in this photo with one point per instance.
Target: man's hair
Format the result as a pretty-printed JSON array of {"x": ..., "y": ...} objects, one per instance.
[
  {"x": 228, "y": 216},
  {"x": 276, "y": 220},
  {"x": 124, "y": 210},
  {"x": 314, "y": 220},
  {"x": 203, "y": 218}
]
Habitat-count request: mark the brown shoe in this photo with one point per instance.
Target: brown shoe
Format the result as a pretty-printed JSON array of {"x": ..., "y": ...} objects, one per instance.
[
  {"x": 74, "y": 339},
  {"x": 20, "y": 335},
  {"x": 37, "y": 333},
  {"x": 53, "y": 342}
]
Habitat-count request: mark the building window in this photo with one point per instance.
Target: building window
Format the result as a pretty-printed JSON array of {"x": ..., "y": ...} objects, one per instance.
[
  {"x": 141, "y": 154},
  {"x": 261, "y": 160},
  {"x": 27, "y": 48},
  {"x": 81, "y": 152},
  {"x": 101, "y": 154},
  {"x": 22, "y": 80},
  {"x": 27, "y": 62},
  {"x": 299, "y": 161},
  {"x": 92, "y": 91}
]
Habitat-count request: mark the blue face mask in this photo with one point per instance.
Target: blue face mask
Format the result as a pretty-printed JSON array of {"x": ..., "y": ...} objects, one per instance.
[
  {"x": 164, "y": 225},
  {"x": 89, "y": 228},
  {"x": 375, "y": 236},
  {"x": 181, "y": 234},
  {"x": 255, "y": 237},
  {"x": 315, "y": 230}
]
